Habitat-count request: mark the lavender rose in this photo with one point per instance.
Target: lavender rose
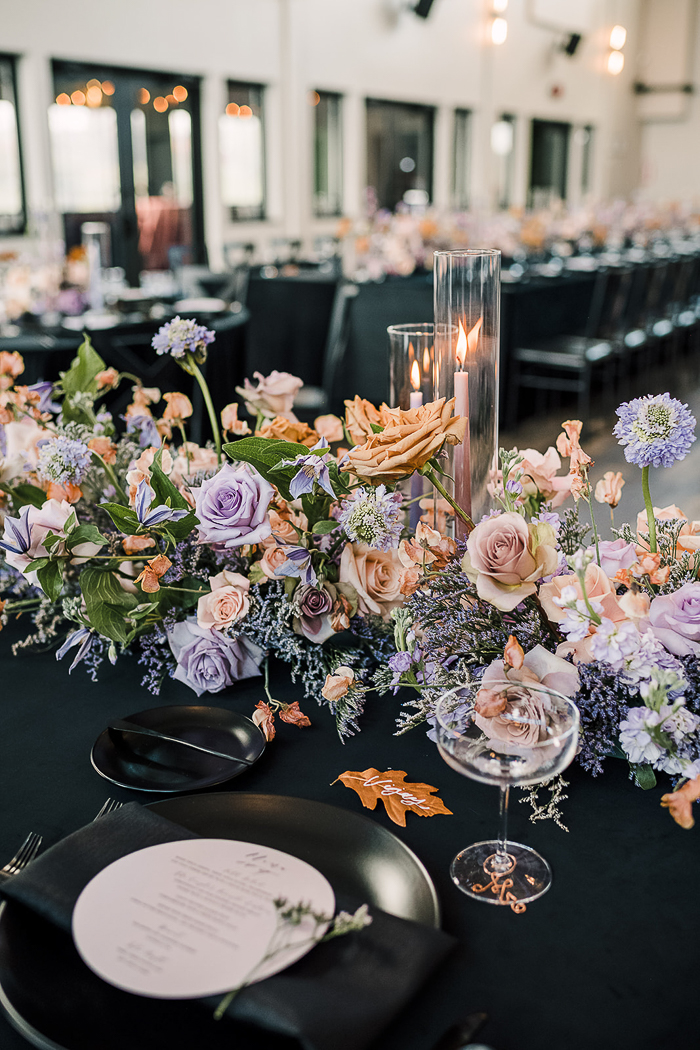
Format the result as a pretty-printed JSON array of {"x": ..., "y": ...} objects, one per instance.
[
  {"x": 232, "y": 507},
  {"x": 208, "y": 661},
  {"x": 615, "y": 555},
  {"x": 675, "y": 620},
  {"x": 313, "y": 607}
]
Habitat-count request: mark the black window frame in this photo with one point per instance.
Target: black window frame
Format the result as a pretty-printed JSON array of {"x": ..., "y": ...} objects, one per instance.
[
  {"x": 246, "y": 214},
  {"x": 463, "y": 120},
  {"x": 21, "y": 227},
  {"x": 427, "y": 110}
]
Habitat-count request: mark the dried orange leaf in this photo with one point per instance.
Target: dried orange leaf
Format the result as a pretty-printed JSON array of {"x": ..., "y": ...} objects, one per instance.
[{"x": 397, "y": 796}]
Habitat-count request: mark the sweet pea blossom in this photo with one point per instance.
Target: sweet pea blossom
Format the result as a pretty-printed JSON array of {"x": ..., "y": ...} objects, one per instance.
[
  {"x": 273, "y": 396},
  {"x": 609, "y": 488}
]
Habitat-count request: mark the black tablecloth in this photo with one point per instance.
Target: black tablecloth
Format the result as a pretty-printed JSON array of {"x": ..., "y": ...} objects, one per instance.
[{"x": 607, "y": 959}]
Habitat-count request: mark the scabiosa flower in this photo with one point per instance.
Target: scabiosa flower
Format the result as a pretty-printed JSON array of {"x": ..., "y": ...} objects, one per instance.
[
  {"x": 63, "y": 460},
  {"x": 655, "y": 430},
  {"x": 179, "y": 336},
  {"x": 373, "y": 516}
]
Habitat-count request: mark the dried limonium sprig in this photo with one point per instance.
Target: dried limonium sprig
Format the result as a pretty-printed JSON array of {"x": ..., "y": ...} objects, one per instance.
[
  {"x": 549, "y": 810},
  {"x": 289, "y": 917}
]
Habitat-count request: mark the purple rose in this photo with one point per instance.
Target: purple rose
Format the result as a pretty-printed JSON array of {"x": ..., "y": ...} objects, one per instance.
[
  {"x": 313, "y": 606},
  {"x": 615, "y": 555},
  {"x": 208, "y": 661},
  {"x": 675, "y": 620},
  {"x": 232, "y": 507}
]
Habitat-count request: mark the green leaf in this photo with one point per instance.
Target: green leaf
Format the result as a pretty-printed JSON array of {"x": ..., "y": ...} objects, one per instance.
[
  {"x": 85, "y": 534},
  {"x": 178, "y": 530},
  {"x": 51, "y": 539},
  {"x": 123, "y": 517},
  {"x": 106, "y": 603},
  {"x": 37, "y": 564},
  {"x": 644, "y": 775},
  {"x": 164, "y": 488},
  {"x": 322, "y": 528},
  {"x": 255, "y": 573},
  {"x": 26, "y": 495},
  {"x": 264, "y": 454},
  {"x": 50, "y": 578},
  {"x": 80, "y": 377}
]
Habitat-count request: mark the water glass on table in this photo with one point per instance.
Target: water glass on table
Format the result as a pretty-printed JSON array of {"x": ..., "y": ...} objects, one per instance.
[{"x": 509, "y": 734}]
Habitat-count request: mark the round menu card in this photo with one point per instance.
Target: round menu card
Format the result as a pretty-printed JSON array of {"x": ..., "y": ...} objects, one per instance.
[{"x": 193, "y": 918}]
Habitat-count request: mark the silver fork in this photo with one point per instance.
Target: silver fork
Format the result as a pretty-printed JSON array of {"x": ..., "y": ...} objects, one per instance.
[
  {"x": 26, "y": 853},
  {"x": 109, "y": 807}
]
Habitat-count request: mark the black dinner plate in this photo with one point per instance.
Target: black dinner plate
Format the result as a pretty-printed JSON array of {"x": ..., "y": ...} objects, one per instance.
[
  {"x": 145, "y": 764},
  {"x": 42, "y": 977}
]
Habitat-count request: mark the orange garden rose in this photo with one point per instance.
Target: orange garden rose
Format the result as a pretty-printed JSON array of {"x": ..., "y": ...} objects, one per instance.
[
  {"x": 407, "y": 444},
  {"x": 288, "y": 430},
  {"x": 361, "y": 416}
]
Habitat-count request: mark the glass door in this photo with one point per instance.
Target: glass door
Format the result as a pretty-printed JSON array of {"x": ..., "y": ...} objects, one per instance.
[{"x": 126, "y": 151}]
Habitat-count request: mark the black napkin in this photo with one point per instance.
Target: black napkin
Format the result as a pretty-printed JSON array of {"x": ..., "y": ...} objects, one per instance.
[{"x": 338, "y": 997}]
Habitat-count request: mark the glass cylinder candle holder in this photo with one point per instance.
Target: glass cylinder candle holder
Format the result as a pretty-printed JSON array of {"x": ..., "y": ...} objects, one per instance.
[
  {"x": 411, "y": 363},
  {"x": 467, "y": 290}
]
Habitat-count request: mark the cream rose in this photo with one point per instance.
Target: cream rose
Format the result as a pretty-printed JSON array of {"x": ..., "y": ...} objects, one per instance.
[
  {"x": 375, "y": 575},
  {"x": 505, "y": 557},
  {"x": 21, "y": 438},
  {"x": 598, "y": 588},
  {"x": 227, "y": 602}
]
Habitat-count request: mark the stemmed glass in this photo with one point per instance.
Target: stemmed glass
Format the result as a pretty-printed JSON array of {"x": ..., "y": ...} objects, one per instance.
[{"x": 511, "y": 734}]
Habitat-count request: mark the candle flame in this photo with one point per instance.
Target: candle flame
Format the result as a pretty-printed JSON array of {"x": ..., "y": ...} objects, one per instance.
[
  {"x": 467, "y": 343},
  {"x": 426, "y": 361},
  {"x": 415, "y": 376}
]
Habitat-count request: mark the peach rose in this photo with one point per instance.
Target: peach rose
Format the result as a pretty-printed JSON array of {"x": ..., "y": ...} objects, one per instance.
[
  {"x": 282, "y": 528},
  {"x": 231, "y": 424},
  {"x": 408, "y": 444},
  {"x": 337, "y": 684},
  {"x": 330, "y": 427},
  {"x": 361, "y": 415},
  {"x": 598, "y": 587},
  {"x": 272, "y": 560},
  {"x": 609, "y": 488},
  {"x": 505, "y": 557},
  {"x": 689, "y": 536},
  {"x": 375, "y": 575},
  {"x": 284, "y": 429},
  {"x": 227, "y": 602},
  {"x": 179, "y": 407},
  {"x": 538, "y": 475},
  {"x": 273, "y": 396}
]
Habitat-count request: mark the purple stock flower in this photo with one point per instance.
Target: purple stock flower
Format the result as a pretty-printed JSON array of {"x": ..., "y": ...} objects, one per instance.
[
  {"x": 401, "y": 662},
  {"x": 313, "y": 470},
  {"x": 179, "y": 337},
  {"x": 144, "y": 497},
  {"x": 232, "y": 507},
  {"x": 145, "y": 427},
  {"x": 656, "y": 430},
  {"x": 209, "y": 661}
]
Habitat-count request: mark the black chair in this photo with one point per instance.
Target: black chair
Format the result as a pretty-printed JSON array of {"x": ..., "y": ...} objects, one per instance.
[{"x": 566, "y": 363}]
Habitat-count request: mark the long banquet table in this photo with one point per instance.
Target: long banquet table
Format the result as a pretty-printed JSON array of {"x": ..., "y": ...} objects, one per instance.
[{"x": 607, "y": 959}]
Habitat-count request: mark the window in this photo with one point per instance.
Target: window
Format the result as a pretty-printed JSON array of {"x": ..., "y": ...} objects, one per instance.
[
  {"x": 242, "y": 151},
  {"x": 503, "y": 145},
  {"x": 125, "y": 151},
  {"x": 399, "y": 153},
  {"x": 461, "y": 171},
  {"x": 328, "y": 153},
  {"x": 587, "y": 159},
  {"x": 548, "y": 162},
  {"x": 12, "y": 213}
]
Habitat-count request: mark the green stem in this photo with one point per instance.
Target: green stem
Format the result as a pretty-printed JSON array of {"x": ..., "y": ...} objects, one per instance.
[
  {"x": 181, "y": 427},
  {"x": 113, "y": 478},
  {"x": 595, "y": 527},
  {"x": 651, "y": 521},
  {"x": 432, "y": 478},
  {"x": 195, "y": 370}
]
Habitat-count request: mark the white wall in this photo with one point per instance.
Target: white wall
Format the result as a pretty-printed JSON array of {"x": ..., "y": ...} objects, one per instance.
[{"x": 361, "y": 48}]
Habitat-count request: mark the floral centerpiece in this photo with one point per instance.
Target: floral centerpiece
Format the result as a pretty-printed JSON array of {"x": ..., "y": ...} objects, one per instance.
[
  {"x": 126, "y": 536},
  {"x": 614, "y": 624}
]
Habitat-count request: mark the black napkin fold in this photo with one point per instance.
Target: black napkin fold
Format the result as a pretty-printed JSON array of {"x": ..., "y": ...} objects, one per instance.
[{"x": 338, "y": 997}]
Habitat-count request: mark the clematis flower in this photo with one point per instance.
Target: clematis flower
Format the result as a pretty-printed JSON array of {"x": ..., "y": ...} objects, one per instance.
[
  {"x": 298, "y": 563},
  {"x": 312, "y": 470},
  {"x": 83, "y": 637},
  {"x": 144, "y": 498}
]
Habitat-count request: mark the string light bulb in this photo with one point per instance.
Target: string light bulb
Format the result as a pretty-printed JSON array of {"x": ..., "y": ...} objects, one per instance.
[
  {"x": 618, "y": 36},
  {"x": 616, "y": 63},
  {"x": 499, "y": 31}
]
